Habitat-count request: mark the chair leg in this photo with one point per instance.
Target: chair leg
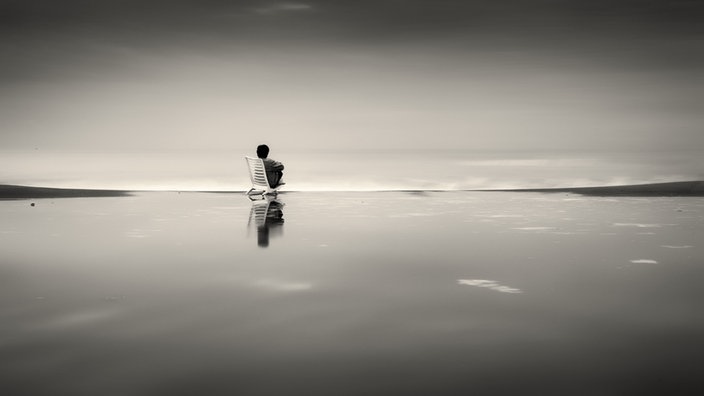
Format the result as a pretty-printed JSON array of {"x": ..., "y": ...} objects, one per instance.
[{"x": 252, "y": 191}]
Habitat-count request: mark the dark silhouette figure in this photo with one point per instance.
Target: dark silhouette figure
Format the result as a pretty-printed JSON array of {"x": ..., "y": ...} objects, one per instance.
[
  {"x": 274, "y": 169},
  {"x": 268, "y": 216}
]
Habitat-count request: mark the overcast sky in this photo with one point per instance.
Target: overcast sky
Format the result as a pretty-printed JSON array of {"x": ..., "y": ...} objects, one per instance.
[{"x": 468, "y": 74}]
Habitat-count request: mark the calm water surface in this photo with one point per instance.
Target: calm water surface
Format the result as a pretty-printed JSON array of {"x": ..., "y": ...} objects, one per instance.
[{"x": 351, "y": 294}]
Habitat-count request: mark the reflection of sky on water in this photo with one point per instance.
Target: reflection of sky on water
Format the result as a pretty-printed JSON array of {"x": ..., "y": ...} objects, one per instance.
[
  {"x": 283, "y": 286},
  {"x": 490, "y": 284},
  {"x": 359, "y": 295}
]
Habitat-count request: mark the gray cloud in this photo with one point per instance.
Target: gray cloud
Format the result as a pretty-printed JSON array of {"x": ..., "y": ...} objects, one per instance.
[
  {"x": 283, "y": 7},
  {"x": 38, "y": 36},
  {"x": 483, "y": 73}
]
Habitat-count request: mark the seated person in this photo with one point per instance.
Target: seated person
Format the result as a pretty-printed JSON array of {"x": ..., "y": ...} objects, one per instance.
[{"x": 273, "y": 168}]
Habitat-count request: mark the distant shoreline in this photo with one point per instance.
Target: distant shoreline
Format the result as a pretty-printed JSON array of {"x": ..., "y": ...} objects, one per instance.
[
  {"x": 685, "y": 188},
  {"x": 26, "y": 192}
]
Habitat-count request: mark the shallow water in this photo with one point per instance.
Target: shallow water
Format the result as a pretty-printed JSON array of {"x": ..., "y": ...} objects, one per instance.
[{"x": 351, "y": 293}]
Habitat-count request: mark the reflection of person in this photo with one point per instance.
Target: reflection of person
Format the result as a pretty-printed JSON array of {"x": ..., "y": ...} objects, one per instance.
[
  {"x": 274, "y": 219},
  {"x": 268, "y": 216},
  {"x": 273, "y": 168}
]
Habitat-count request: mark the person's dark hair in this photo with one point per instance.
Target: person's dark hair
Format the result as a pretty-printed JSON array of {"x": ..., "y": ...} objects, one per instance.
[{"x": 262, "y": 151}]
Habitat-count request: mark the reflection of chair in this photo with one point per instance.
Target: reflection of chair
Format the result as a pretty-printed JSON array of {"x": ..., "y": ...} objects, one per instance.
[
  {"x": 260, "y": 183},
  {"x": 267, "y": 217},
  {"x": 257, "y": 214}
]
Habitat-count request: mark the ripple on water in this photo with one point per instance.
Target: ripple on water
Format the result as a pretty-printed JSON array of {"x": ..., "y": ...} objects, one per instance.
[
  {"x": 644, "y": 261},
  {"x": 638, "y": 225},
  {"x": 489, "y": 284}
]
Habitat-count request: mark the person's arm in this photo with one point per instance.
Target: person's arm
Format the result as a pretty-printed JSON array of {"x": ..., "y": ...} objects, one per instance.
[{"x": 277, "y": 166}]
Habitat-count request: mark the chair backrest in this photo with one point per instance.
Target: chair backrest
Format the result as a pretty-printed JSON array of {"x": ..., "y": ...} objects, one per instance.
[{"x": 257, "y": 173}]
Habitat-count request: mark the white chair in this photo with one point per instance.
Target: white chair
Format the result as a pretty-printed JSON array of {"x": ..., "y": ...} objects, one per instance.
[{"x": 260, "y": 183}]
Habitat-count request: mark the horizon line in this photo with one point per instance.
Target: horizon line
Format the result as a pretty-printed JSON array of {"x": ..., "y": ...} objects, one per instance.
[{"x": 683, "y": 188}]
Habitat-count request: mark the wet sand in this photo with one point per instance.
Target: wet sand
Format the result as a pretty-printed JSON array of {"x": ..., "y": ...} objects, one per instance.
[{"x": 415, "y": 293}]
